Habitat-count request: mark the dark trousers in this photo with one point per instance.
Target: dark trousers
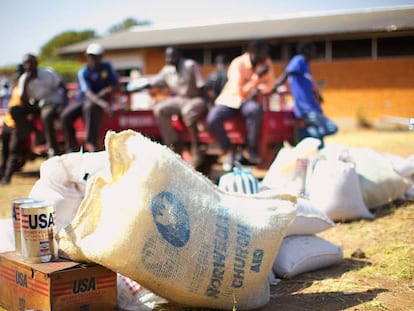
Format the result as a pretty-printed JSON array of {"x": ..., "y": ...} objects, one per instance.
[
  {"x": 250, "y": 110},
  {"x": 12, "y": 150},
  {"x": 92, "y": 117},
  {"x": 48, "y": 115}
]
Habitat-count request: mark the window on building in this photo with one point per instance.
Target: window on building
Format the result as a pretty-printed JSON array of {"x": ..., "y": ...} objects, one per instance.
[
  {"x": 399, "y": 46},
  {"x": 351, "y": 48},
  {"x": 195, "y": 54},
  {"x": 229, "y": 52},
  {"x": 320, "y": 49},
  {"x": 275, "y": 52}
]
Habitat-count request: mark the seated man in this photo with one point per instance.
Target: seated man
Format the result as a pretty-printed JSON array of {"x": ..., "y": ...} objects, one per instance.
[
  {"x": 96, "y": 82},
  {"x": 186, "y": 84},
  {"x": 42, "y": 88},
  {"x": 247, "y": 75}
]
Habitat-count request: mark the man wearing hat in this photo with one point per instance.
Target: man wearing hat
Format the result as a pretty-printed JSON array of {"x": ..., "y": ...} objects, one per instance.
[{"x": 96, "y": 82}]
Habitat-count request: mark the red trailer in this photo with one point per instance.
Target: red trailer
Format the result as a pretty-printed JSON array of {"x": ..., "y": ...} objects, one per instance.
[{"x": 278, "y": 126}]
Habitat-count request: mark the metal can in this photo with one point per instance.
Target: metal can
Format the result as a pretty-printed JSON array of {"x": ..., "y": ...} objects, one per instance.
[
  {"x": 38, "y": 221},
  {"x": 15, "y": 206}
]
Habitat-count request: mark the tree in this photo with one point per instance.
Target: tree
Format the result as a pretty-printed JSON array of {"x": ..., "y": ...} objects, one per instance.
[
  {"x": 49, "y": 51},
  {"x": 127, "y": 23}
]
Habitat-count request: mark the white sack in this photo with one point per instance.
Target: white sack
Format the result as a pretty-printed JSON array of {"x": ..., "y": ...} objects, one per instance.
[
  {"x": 132, "y": 296},
  {"x": 167, "y": 227},
  {"x": 309, "y": 219},
  {"x": 63, "y": 180},
  {"x": 282, "y": 169},
  {"x": 380, "y": 184},
  {"x": 6, "y": 235},
  {"x": 403, "y": 166},
  {"x": 334, "y": 188},
  {"x": 301, "y": 254}
]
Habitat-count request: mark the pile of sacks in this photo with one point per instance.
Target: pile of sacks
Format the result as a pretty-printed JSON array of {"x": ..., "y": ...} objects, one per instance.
[
  {"x": 338, "y": 183},
  {"x": 348, "y": 183},
  {"x": 172, "y": 235},
  {"x": 341, "y": 183}
]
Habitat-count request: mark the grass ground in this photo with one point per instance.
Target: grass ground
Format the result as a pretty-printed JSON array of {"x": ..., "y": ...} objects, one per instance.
[{"x": 383, "y": 280}]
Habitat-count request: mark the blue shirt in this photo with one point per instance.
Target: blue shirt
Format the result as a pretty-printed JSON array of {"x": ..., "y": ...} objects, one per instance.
[
  {"x": 301, "y": 86},
  {"x": 96, "y": 80}
]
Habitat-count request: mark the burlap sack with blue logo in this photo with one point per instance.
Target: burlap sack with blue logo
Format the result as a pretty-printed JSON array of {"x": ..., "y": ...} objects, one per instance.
[{"x": 169, "y": 228}]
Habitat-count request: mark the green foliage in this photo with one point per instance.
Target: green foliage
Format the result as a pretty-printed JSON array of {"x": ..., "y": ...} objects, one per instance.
[
  {"x": 67, "y": 69},
  {"x": 50, "y": 50},
  {"x": 8, "y": 71},
  {"x": 127, "y": 23}
]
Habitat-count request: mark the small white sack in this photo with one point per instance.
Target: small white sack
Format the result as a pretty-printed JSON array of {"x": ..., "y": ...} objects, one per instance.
[
  {"x": 334, "y": 188},
  {"x": 301, "y": 254},
  {"x": 309, "y": 219},
  {"x": 133, "y": 297}
]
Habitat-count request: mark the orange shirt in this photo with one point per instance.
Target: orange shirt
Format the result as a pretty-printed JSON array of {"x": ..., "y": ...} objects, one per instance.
[
  {"x": 242, "y": 81},
  {"x": 14, "y": 101}
]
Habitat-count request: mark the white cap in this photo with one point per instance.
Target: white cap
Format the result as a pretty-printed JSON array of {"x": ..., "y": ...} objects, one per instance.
[{"x": 95, "y": 49}]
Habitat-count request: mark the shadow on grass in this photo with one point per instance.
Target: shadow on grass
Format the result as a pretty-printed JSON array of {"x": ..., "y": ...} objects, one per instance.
[
  {"x": 286, "y": 295},
  {"x": 28, "y": 174},
  {"x": 330, "y": 300}
]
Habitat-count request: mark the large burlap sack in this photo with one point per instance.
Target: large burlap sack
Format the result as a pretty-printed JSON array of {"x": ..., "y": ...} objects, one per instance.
[
  {"x": 335, "y": 189},
  {"x": 64, "y": 179},
  {"x": 380, "y": 183},
  {"x": 167, "y": 227}
]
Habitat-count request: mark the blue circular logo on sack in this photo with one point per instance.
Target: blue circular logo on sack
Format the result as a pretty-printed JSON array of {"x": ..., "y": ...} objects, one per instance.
[{"x": 171, "y": 218}]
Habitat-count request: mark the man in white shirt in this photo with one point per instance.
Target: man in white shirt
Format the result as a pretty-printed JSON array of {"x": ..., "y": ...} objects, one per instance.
[{"x": 44, "y": 88}]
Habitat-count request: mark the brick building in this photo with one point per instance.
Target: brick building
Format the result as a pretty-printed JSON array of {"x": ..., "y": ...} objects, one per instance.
[{"x": 366, "y": 57}]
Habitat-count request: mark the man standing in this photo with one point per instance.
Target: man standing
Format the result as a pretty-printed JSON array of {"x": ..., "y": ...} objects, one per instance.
[
  {"x": 307, "y": 101},
  {"x": 43, "y": 88},
  {"x": 248, "y": 74},
  {"x": 186, "y": 84},
  {"x": 96, "y": 82}
]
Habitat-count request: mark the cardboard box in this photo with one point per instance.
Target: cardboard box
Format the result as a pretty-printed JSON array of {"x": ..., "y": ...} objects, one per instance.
[{"x": 59, "y": 285}]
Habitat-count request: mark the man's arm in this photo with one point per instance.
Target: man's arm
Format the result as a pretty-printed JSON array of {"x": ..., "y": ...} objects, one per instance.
[{"x": 281, "y": 80}]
